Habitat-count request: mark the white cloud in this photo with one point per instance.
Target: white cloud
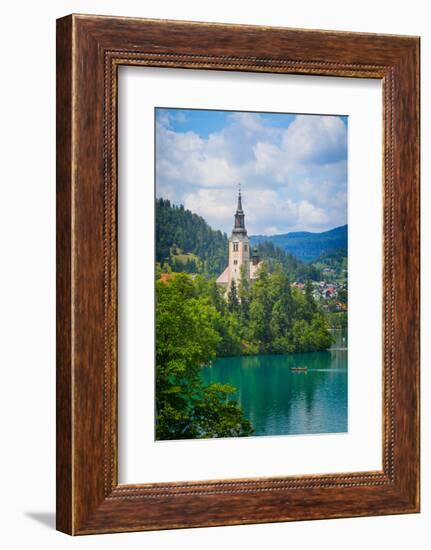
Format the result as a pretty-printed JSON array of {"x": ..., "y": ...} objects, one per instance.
[
  {"x": 207, "y": 203},
  {"x": 166, "y": 118},
  {"x": 315, "y": 138},
  {"x": 250, "y": 121},
  {"x": 310, "y": 214},
  {"x": 293, "y": 178}
]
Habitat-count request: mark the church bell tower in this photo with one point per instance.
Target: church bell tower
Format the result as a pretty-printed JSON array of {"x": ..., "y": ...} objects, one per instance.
[
  {"x": 239, "y": 245},
  {"x": 239, "y": 252}
]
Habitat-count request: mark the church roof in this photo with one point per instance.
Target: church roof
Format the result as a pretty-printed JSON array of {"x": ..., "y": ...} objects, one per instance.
[{"x": 224, "y": 277}]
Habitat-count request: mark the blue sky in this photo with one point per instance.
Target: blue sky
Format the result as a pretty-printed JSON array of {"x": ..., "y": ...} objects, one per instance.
[{"x": 292, "y": 168}]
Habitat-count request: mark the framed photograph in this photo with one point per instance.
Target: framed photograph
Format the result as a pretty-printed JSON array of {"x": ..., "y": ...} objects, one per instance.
[{"x": 237, "y": 274}]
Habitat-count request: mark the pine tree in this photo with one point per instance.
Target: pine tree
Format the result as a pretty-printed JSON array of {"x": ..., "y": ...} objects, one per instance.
[
  {"x": 244, "y": 294},
  {"x": 310, "y": 307},
  {"x": 261, "y": 308},
  {"x": 232, "y": 298}
]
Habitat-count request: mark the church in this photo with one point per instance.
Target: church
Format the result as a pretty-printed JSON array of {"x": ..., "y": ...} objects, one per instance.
[{"x": 239, "y": 252}]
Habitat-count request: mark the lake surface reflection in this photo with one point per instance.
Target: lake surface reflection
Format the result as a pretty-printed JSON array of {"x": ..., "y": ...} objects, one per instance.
[{"x": 279, "y": 401}]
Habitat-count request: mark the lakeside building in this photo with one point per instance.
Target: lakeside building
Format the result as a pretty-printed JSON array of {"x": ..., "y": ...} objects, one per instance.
[{"x": 239, "y": 252}]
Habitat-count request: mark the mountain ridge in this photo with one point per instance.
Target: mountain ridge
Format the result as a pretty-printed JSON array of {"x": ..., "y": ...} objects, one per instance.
[{"x": 306, "y": 245}]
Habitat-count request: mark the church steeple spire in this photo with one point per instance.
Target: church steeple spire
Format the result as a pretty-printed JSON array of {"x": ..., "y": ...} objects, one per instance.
[
  {"x": 239, "y": 207},
  {"x": 239, "y": 227}
]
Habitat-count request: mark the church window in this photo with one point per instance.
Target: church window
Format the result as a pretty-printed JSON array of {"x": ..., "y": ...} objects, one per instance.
[
  {"x": 235, "y": 247},
  {"x": 235, "y": 262},
  {"x": 245, "y": 247}
]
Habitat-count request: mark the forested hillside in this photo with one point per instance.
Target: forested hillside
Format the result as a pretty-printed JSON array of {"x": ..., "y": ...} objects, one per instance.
[
  {"x": 308, "y": 246},
  {"x": 296, "y": 269},
  {"x": 186, "y": 243}
]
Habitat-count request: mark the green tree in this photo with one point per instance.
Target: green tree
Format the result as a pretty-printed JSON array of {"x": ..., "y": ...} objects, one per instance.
[
  {"x": 261, "y": 309},
  {"x": 244, "y": 294},
  {"x": 186, "y": 340},
  {"x": 232, "y": 297},
  {"x": 320, "y": 336},
  {"x": 310, "y": 306},
  {"x": 342, "y": 295}
]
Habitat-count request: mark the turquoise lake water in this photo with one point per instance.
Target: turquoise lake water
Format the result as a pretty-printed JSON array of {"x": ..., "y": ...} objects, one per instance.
[{"x": 279, "y": 401}]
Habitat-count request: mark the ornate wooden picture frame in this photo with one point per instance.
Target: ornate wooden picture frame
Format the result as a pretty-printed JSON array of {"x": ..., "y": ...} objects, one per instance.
[{"x": 89, "y": 51}]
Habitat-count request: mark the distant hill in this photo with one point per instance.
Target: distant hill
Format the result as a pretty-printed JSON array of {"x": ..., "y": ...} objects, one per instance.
[{"x": 307, "y": 246}]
